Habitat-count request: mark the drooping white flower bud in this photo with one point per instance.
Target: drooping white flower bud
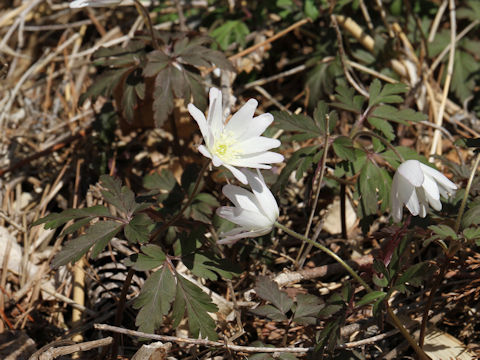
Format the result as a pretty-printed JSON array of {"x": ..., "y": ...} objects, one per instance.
[
  {"x": 417, "y": 186},
  {"x": 255, "y": 212}
]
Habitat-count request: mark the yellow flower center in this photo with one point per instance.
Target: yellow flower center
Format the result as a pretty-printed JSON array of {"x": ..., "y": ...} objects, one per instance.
[{"x": 224, "y": 149}]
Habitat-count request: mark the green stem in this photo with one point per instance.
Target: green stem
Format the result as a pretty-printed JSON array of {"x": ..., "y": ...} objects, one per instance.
[
  {"x": 383, "y": 140},
  {"x": 148, "y": 21},
  {"x": 453, "y": 246},
  {"x": 465, "y": 196},
  {"x": 300, "y": 260},
  {"x": 396, "y": 321},
  {"x": 398, "y": 324},
  {"x": 185, "y": 206},
  {"x": 328, "y": 252}
]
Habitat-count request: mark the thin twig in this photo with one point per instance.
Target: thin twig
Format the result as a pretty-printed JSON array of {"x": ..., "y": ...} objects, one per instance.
[
  {"x": 269, "y": 40},
  {"x": 53, "y": 353},
  {"x": 251, "y": 349},
  {"x": 343, "y": 59},
  {"x": 35, "y": 68},
  {"x": 439, "y": 119},
  {"x": 436, "y": 21},
  {"x": 318, "y": 178}
]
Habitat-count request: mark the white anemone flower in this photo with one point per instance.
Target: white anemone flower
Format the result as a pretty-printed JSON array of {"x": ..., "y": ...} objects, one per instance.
[
  {"x": 254, "y": 212},
  {"x": 76, "y": 4},
  {"x": 417, "y": 185},
  {"x": 237, "y": 143}
]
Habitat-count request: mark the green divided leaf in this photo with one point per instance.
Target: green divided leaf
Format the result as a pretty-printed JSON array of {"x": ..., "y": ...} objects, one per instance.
[
  {"x": 472, "y": 233},
  {"x": 414, "y": 276},
  {"x": 391, "y": 113},
  {"x": 232, "y": 31},
  {"x": 119, "y": 196},
  {"x": 406, "y": 152},
  {"x": 156, "y": 62},
  {"x": 202, "y": 207},
  {"x": 139, "y": 228},
  {"x": 163, "y": 181},
  {"x": 155, "y": 300},
  {"x": 368, "y": 183},
  {"x": 197, "y": 304},
  {"x": 371, "y": 297},
  {"x": 387, "y": 94},
  {"x": 99, "y": 234},
  {"x": 320, "y": 116},
  {"x": 52, "y": 221},
  {"x": 104, "y": 84},
  {"x": 270, "y": 312},
  {"x": 152, "y": 256},
  {"x": 306, "y": 309},
  {"x": 347, "y": 100},
  {"x": 302, "y": 124},
  {"x": 343, "y": 147},
  {"x": 311, "y": 10},
  {"x": 208, "y": 266},
  {"x": 472, "y": 215},
  {"x": 300, "y": 162},
  {"x": 465, "y": 75},
  {"x": 268, "y": 290},
  {"x": 383, "y": 126},
  {"x": 444, "y": 231}
]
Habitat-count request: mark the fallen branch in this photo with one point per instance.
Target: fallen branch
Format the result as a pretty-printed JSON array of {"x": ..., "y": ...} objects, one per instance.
[
  {"x": 53, "y": 352},
  {"x": 251, "y": 349}
]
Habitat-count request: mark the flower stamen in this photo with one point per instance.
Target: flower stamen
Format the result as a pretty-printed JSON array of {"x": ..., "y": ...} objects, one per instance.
[{"x": 224, "y": 147}]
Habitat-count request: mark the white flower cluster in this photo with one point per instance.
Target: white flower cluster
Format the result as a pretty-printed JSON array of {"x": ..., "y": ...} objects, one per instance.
[{"x": 239, "y": 143}]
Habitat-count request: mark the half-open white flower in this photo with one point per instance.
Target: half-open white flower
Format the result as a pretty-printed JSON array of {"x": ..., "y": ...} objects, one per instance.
[
  {"x": 417, "y": 185},
  {"x": 237, "y": 143},
  {"x": 93, "y": 3},
  {"x": 254, "y": 212}
]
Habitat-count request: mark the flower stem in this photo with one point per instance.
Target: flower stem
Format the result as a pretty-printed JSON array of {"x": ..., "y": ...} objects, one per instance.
[
  {"x": 300, "y": 260},
  {"x": 185, "y": 206},
  {"x": 382, "y": 139},
  {"x": 328, "y": 252},
  {"x": 465, "y": 196},
  {"x": 148, "y": 21},
  {"x": 448, "y": 254},
  {"x": 396, "y": 321}
]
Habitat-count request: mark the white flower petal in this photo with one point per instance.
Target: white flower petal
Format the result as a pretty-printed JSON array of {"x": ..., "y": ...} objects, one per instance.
[
  {"x": 256, "y": 126},
  {"x": 265, "y": 199},
  {"x": 258, "y": 159},
  {"x": 215, "y": 112},
  {"x": 237, "y": 173},
  {"x": 413, "y": 204},
  {"x": 238, "y": 143},
  {"x": 396, "y": 205},
  {"x": 418, "y": 186},
  {"x": 204, "y": 151},
  {"x": 431, "y": 188},
  {"x": 241, "y": 120},
  {"x": 441, "y": 179},
  {"x": 411, "y": 171},
  {"x": 199, "y": 117},
  {"x": 231, "y": 237},
  {"x": 217, "y": 161},
  {"x": 249, "y": 219},
  {"x": 256, "y": 145},
  {"x": 240, "y": 197}
]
